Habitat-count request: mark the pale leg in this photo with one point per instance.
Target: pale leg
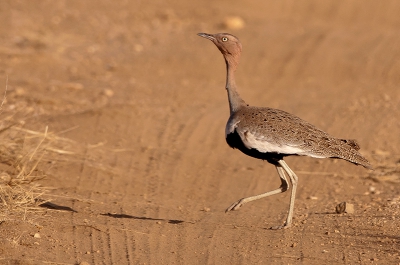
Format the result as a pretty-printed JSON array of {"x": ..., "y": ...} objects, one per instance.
[
  {"x": 284, "y": 187},
  {"x": 293, "y": 180}
]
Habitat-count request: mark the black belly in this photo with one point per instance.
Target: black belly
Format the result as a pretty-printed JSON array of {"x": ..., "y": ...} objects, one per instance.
[{"x": 234, "y": 141}]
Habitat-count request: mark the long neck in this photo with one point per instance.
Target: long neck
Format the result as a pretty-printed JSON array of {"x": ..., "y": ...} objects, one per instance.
[{"x": 235, "y": 101}]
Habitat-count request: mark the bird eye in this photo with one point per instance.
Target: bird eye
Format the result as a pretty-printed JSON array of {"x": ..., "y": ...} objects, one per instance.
[{"x": 224, "y": 39}]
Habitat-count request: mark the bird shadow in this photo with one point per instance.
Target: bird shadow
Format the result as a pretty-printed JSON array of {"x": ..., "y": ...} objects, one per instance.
[
  {"x": 170, "y": 221},
  {"x": 333, "y": 213},
  {"x": 53, "y": 206}
]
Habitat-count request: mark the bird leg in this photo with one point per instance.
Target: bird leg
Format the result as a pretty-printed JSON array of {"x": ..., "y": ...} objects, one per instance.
[
  {"x": 293, "y": 180},
  {"x": 284, "y": 187}
]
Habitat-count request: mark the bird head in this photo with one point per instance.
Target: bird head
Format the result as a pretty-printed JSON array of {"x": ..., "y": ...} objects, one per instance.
[{"x": 228, "y": 44}]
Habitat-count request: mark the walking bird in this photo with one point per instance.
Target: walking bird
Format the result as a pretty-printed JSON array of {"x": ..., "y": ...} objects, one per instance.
[{"x": 272, "y": 134}]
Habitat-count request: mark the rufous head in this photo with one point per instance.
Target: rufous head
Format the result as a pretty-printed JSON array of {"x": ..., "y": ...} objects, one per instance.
[{"x": 228, "y": 44}]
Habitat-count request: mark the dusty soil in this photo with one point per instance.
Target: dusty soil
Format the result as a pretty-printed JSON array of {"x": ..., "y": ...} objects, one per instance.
[{"x": 141, "y": 99}]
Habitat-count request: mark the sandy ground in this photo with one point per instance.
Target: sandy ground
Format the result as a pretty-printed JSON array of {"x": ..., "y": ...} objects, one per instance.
[{"x": 141, "y": 99}]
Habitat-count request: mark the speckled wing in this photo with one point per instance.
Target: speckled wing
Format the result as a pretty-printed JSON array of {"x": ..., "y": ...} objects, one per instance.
[
  {"x": 275, "y": 131},
  {"x": 272, "y": 131}
]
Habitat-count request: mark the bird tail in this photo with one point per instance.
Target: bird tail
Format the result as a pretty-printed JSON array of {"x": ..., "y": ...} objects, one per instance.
[{"x": 347, "y": 149}]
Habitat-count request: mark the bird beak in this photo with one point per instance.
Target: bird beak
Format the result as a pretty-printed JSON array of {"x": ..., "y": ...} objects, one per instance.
[{"x": 207, "y": 36}]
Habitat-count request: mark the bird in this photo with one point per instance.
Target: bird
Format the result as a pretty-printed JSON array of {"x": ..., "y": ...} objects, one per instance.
[{"x": 272, "y": 134}]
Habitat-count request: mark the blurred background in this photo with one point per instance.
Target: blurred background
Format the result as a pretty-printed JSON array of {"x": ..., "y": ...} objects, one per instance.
[{"x": 138, "y": 104}]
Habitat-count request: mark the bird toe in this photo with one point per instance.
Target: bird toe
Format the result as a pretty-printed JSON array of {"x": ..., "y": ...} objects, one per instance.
[
  {"x": 278, "y": 227},
  {"x": 235, "y": 206}
]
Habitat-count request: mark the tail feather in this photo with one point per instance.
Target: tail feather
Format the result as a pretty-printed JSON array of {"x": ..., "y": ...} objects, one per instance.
[{"x": 348, "y": 150}]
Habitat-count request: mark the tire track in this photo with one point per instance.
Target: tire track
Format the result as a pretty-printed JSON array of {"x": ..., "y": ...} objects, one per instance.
[
  {"x": 96, "y": 180},
  {"x": 76, "y": 220}
]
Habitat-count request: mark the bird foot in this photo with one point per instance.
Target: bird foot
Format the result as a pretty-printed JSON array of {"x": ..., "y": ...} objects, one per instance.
[
  {"x": 235, "y": 206},
  {"x": 278, "y": 227}
]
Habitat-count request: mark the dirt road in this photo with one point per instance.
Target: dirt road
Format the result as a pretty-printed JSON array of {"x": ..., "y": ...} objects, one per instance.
[{"x": 141, "y": 98}]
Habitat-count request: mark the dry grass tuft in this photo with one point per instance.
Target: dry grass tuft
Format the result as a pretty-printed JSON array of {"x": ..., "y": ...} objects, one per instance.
[
  {"x": 25, "y": 156},
  {"x": 21, "y": 152},
  {"x": 20, "y": 191}
]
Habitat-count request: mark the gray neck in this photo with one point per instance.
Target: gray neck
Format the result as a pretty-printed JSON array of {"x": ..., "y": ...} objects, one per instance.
[{"x": 235, "y": 101}]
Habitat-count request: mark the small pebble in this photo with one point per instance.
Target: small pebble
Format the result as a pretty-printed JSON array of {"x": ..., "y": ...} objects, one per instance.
[
  {"x": 345, "y": 207},
  {"x": 5, "y": 177},
  {"x": 206, "y": 209},
  {"x": 233, "y": 22},
  {"x": 19, "y": 91},
  {"x": 108, "y": 92},
  {"x": 37, "y": 235}
]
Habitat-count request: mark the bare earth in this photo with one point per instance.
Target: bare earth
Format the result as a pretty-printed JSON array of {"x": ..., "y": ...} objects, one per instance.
[{"x": 141, "y": 98}]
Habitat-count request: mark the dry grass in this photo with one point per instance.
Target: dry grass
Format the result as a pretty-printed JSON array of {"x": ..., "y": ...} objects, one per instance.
[
  {"x": 25, "y": 157},
  {"x": 21, "y": 153},
  {"x": 20, "y": 191}
]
